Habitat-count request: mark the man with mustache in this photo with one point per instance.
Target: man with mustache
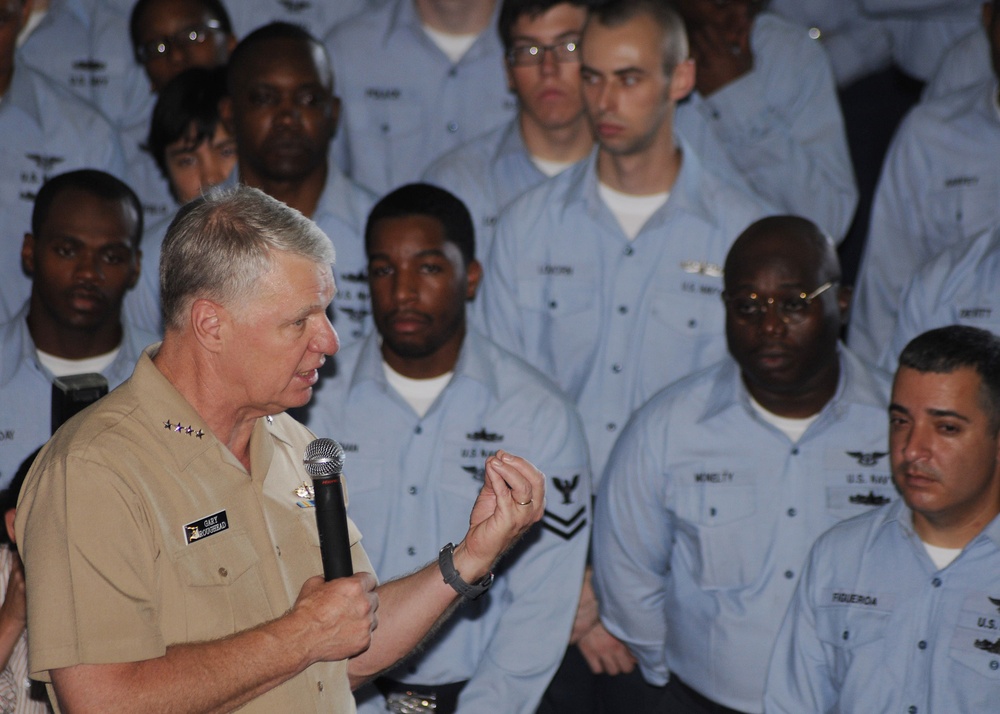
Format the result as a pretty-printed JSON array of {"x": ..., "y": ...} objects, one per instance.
[
  {"x": 898, "y": 610},
  {"x": 418, "y": 404},
  {"x": 83, "y": 257},
  {"x": 283, "y": 112},
  {"x": 715, "y": 491}
]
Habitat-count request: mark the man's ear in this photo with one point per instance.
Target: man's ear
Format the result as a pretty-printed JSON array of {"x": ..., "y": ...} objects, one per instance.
[
  {"x": 844, "y": 295},
  {"x": 207, "y": 319},
  {"x": 682, "y": 80},
  {"x": 28, "y": 254},
  {"x": 473, "y": 274}
]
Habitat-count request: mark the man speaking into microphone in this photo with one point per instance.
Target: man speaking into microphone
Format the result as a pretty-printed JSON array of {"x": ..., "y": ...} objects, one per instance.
[{"x": 171, "y": 562}]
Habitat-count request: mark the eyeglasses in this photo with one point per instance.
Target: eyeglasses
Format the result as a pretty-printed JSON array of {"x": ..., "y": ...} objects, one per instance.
[
  {"x": 791, "y": 309},
  {"x": 530, "y": 55},
  {"x": 194, "y": 35}
]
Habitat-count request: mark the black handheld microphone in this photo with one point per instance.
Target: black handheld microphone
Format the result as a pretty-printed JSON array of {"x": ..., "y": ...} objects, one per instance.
[{"x": 324, "y": 461}]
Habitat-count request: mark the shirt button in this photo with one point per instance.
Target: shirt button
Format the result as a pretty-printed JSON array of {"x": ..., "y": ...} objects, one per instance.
[
  {"x": 912, "y": 710},
  {"x": 628, "y": 250},
  {"x": 936, "y": 582},
  {"x": 994, "y": 665},
  {"x": 815, "y": 33},
  {"x": 452, "y": 126},
  {"x": 319, "y": 686},
  {"x": 418, "y": 430},
  {"x": 611, "y": 426},
  {"x": 789, "y": 574},
  {"x": 384, "y": 128},
  {"x": 616, "y": 368},
  {"x": 922, "y": 644},
  {"x": 623, "y": 309},
  {"x": 411, "y": 551},
  {"x": 795, "y": 451},
  {"x": 846, "y": 634},
  {"x": 413, "y": 490},
  {"x": 553, "y": 304},
  {"x": 792, "y": 512},
  {"x": 453, "y": 72},
  {"x": 712, "y": 511},
  {"x": 692, "y": 323},
  {"x": 278, "y": 548},
  {"x": 223, "y": 572}
]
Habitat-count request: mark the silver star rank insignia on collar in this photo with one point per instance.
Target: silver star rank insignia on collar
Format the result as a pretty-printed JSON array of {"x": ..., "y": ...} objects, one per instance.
[
  {"x": 181, "y": 429},
  {"x": 270, "y": 419}
]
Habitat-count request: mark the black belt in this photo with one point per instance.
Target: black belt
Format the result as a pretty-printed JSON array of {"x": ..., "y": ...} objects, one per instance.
[{"x": 439, "y": 698}]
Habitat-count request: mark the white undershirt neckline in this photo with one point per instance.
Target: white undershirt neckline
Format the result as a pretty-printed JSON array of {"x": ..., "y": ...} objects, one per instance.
[
  {"x": 941, "y": 557},
  {"x": 453, "y": 46},
  {"x": 420, "y": 394},
  {"x": 792, "y": 428},
  {"x": 631, "y": 211},
  {"x": 61, "y": 367}
]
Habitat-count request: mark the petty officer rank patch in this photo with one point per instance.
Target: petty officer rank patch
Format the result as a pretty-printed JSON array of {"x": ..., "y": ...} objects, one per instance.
[{"x": 205, "y": 527}]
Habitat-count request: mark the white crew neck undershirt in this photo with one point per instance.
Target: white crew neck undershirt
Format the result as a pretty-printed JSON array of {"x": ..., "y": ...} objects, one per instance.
[
  {"x": 453, "y": 46},
  {"x": 418, "y": 393},
  {"x": 792, "y": 428},
  {"x": 550, "y": 168},
  {"x": 630, "y": 211},
  {"x": 941, "y": 557},
  {"x": 63, "y": 367}
]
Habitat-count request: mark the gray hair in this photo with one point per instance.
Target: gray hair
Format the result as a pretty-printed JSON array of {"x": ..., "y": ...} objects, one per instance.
[{"x": 219, "y": 245}]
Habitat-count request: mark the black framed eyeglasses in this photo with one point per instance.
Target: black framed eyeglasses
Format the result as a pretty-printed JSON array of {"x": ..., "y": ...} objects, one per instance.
[
  {"x": 791, "y": 309},
  {"x": 529, "y": 55},
  {"x": 194, "y": 35}
]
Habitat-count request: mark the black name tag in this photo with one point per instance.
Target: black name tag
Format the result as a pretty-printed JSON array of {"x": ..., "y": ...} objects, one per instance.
[{"x": 205, "y": 527}]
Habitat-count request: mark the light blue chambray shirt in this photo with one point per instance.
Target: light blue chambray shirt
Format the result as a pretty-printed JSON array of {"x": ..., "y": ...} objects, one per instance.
[
  {"x": 706, "y": 514},
  {"x": 404, "y": 103},
  {"x": 317, "y": 16},
  {"x": 959, "y": 287},
  {"x": 411, "y": 484},
  {"x": 26, "y": 389},
  {"x": 487, "y": 173},
  {"x": 44, "y": 130},
  {"x": 610, "y": 320},
  {"x": 940, "y": 186},
  {"x": 875, "y": 627},
  {"x": 780, "y": 126}
]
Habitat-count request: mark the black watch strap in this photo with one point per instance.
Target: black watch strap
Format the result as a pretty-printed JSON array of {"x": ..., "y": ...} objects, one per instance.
[{"x": 451, "y": 576}]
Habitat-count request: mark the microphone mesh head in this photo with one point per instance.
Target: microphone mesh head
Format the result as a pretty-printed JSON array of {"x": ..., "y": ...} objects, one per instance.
[{"x": 324, "y": 457}]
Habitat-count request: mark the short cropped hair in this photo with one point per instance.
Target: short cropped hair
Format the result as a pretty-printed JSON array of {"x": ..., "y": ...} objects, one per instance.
[
  {"x": 265, "y": 33},
  {"x": 187, "y": 109},
  {"x": 513, "y": 10},
  {"x": 91, "y": 181},
  {"x": 219, "y": 245},
  {"x": 423, "y": 199},
  {"x": 675, "y": 41},
  {"x": 215, "y": 8},
  {"x": 946, "y": 349}
]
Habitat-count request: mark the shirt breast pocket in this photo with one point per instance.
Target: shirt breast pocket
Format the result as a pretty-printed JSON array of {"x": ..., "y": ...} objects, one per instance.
[
  {"x": 960, "y": 212},
  {"x": 686, "y": 332},
  {"x": 223, "y": 591},
  {"x": 846, "y": 630},
  {"x": 717, "y": 522}
]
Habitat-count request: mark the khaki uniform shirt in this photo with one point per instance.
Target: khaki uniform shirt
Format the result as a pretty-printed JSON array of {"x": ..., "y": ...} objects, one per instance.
[{"x": 141, "y": 530}]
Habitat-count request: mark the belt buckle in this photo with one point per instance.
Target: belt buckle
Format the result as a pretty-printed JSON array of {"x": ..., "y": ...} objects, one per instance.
[{"x": 411, "y": 702}]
